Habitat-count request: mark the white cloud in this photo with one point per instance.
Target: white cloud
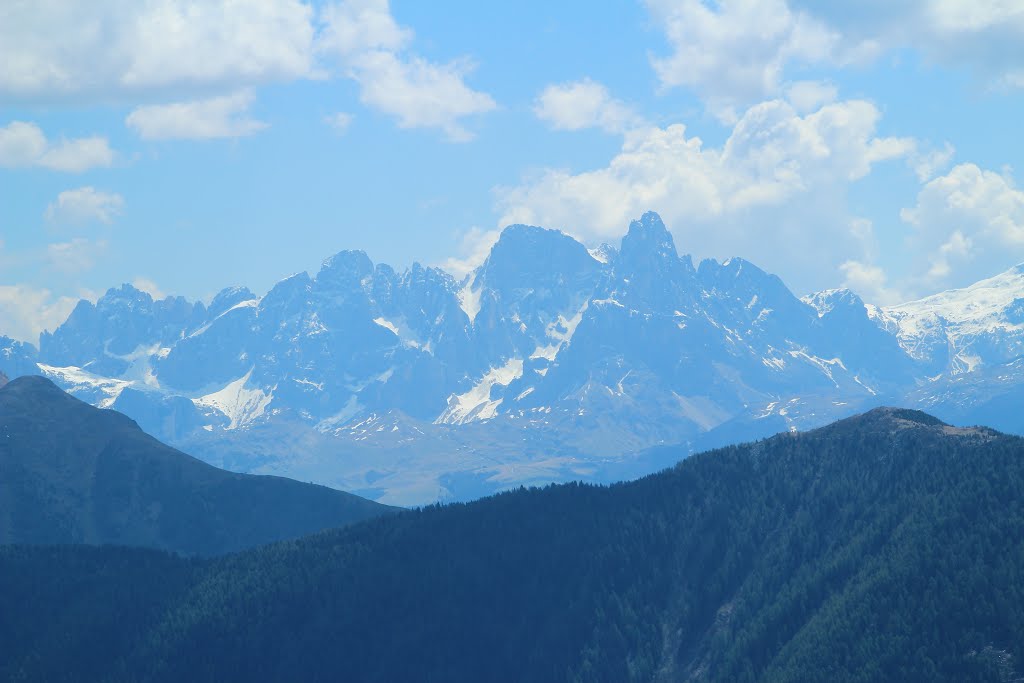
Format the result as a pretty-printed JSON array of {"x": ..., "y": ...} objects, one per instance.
[
  {"x": 772, "y": 155},
  {"x": 870, "y": 282},
  {"x": 418, "y": 93},
  {"x": 24, "y": 145},
  {"x": 474, "y": 246},
  {"x": 776, "y": 188},
  {"x": 965, "y": 222},
  {"x": 217, "y": 117},
  {"x": 357, "y": 26},
  {"x": 807, "y": 96},
  {"x": 185, "y": 51},
  {"x": 339, "y": 121},
  {"x": 84, "y": 205},
  {"x": 26, "y": 311},
  {"x": 116, "y": 49},
  {"x": 982, "y": 35},
  {"x": 927, "y": 163},
  {"x": 734, "y": 52},
  {"x": 372, "y": 50},
  {"x": 74, "y": 256},
  {"x": 584, "y": 104}
]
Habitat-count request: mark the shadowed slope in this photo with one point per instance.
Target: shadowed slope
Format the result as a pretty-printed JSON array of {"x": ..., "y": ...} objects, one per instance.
[{"x": 72, "y": 473}]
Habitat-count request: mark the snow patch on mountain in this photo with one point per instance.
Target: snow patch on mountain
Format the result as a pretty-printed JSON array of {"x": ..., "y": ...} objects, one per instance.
[
  {"x": 339, "y": 419},
  {"x": 241, "y": 404},
  {"x": 140, "y": 365},
  {"x": 988, "y": 314},
  {"x": 102, "y": 391},
  {"x": 560, "y": 332},
  {"x": 477, "y": 404},
  {"x": 469, "y": 300},
  {"x": 986, "y": 306},
  {"x": 825, "y": 301},
  {"x": 401, "y": 329}
]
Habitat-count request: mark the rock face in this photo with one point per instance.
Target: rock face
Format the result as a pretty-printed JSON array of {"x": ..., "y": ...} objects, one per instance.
[{"x": 548, "y": 362}]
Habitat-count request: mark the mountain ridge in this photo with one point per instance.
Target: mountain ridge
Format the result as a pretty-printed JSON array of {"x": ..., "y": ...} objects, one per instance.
[
  {"x": 546, "y": 363},
  {"x": 886, "y": 546},
  {"x": 73, "y": 473}
]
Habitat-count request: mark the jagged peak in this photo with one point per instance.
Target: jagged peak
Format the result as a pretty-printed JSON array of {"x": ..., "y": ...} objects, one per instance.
[
  {"x": 604, "y": 253},
  {"x": 346, "y": 264},
  {"x": 826, "y": 301},
  {"x": 284, "y": 289},
  {"x": 517, "y": 230},
  {"x": 530, "y": 250},
  {"x": 418, "y": 273},
  {"x": 295, "y": 278},
  {"x": 228, "y": 297},
  {"x": 126, "y": 292},
  {"x": 732, "y": 272},
  {"x": 648, "y": 236},
  {"x": 518, "y": 237}
]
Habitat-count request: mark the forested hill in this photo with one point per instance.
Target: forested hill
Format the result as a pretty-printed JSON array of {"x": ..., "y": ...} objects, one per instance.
[
  {"x": 73, "y": 473},
  {"x": 886, "y": 547}
]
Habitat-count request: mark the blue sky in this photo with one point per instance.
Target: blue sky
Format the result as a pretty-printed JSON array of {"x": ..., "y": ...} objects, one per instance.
[{"x": 188, "y": 146}]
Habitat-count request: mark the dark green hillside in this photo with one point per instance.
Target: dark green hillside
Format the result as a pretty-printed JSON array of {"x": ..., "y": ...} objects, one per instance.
[
  {"x": 72, "y": 473},
  {"x": 887, "y": 547}
]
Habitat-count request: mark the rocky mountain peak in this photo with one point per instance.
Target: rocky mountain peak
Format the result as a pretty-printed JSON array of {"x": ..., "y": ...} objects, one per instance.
[{"x": 647, "y": 239}]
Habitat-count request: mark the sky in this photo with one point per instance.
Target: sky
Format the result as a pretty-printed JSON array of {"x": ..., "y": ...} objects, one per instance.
[{"x": 189, "y": 145}]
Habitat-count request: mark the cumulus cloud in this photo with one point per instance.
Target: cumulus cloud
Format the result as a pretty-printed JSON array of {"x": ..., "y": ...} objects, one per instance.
[
  {"x": 584, "y": 104},
  {"x": 373, "y": 50},
  {"x": 118, "y": 49},
  {"x": 26, "y": 311},
  {"x": 772, "y": 155},
  {"x": 24, "y": 145},
  {"x": 734, "y": 52},
  {"x": 870, "y": 282},
  {"x": 217, "y": 117},
  {"x": 776, "y": 187},
  {"x": 964, "y": 221},
  {"x": 807, "y": 96},
  {"x": 179, "y": 54},
  {"x": 982, "y": 35},
  {"x": 354, "y": 27},
  {"x": 85, "y": 205},
  {"x": 927, "y": 163}
]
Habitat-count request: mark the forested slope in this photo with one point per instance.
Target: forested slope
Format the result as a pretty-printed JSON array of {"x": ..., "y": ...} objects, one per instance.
[{"x": 885, "y": 547}]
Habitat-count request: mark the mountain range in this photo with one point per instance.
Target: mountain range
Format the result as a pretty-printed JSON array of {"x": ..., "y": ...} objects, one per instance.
[
  {"x": 73, "y": 473},
  {"x": 549, "y": 362},
  {"x": 885, "y": 547}
]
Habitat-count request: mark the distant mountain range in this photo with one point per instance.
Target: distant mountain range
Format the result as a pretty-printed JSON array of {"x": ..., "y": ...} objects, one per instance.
[
  {"x": 72, "y": 473},
  {"x": 885, "y": 547},
  {"x": 549, "y": 362}
]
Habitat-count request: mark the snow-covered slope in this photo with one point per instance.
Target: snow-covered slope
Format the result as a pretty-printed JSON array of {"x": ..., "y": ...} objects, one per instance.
[
  {"x": 548, "y": 362},
  {"x": 962, "y": 330}
]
